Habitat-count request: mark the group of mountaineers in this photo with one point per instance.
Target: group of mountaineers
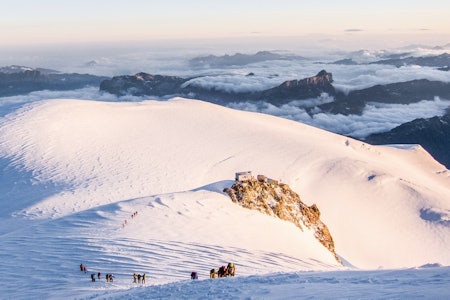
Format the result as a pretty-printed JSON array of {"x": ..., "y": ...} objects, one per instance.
[
  {"x": 223, "y": 271},
  {"x": 108, "y": 277}
]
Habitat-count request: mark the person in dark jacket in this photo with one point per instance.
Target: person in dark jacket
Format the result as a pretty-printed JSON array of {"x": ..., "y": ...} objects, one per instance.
[
  {"x": 222, "y": 271},
  {"x": 194, "y": 275}
]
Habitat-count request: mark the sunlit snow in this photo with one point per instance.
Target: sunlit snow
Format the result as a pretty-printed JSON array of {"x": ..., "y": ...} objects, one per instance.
[{"x": 75, "y": 171}]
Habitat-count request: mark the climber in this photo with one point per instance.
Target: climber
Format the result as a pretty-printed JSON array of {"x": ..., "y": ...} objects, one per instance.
[
  {"x": 231, "y": 269},
  {"x": 194, "y": 275}
]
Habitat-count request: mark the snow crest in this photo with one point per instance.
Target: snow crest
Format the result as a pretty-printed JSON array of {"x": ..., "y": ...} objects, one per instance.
[{"x": 74, "y": 172}]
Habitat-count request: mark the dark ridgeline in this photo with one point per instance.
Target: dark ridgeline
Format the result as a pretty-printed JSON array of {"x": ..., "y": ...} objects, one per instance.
[
  {"x": 16, "y": 80},
  {"x": 433, "y": 134},
  {"x": 143, "y": 84}
]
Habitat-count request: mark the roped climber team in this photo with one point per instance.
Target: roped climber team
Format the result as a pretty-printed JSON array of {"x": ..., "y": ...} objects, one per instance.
[{"x": 223, "y": 271}]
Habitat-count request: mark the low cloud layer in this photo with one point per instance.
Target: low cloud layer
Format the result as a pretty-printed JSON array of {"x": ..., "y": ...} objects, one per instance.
[
  {"x": 265, "y": 75},
  {"x": 7, "y": 104},
  {"x": 346, "y": 78},
  {"x": 376, "y": 117}
]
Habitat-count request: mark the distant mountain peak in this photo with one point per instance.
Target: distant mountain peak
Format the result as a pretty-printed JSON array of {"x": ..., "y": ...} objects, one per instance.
[
  {"x": 240, "y": 59},
  {"x": 12, "y": 69},
  {"x": 311, "y": 87}
]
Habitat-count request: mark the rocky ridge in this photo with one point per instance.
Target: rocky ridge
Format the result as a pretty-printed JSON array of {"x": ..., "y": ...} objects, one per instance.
[
  {"x": 279, "y": 200},
  {"x": 17, "y": 80},
  {"x": 307, "y": 88},
  {"x": 312, "y": 87},
  {"x": 142, "y": 84}
]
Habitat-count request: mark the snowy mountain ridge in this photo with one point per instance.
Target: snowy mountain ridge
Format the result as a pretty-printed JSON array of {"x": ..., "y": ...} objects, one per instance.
[{"x": 75, "y": 171}]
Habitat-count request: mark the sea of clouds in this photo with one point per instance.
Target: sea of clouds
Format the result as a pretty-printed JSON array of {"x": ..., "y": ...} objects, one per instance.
[{"x": 260, "y": 76}]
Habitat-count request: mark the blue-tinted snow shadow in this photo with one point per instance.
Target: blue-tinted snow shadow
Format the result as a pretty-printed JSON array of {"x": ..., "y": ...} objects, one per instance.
[
  {"x": 430, "y": 215},
  {"x": 217, "y": 186},
  {"x": 19, "y": 188},
  {"x": 6, "y": 108}
]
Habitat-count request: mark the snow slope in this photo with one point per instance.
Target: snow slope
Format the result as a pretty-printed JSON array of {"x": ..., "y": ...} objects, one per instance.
[
  {"x": 420, "y": 283},
  {"x": 73, "y": 171}
]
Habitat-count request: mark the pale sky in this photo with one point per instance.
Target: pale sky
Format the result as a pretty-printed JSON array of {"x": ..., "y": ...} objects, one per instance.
[{"x": 65, "y": 21}]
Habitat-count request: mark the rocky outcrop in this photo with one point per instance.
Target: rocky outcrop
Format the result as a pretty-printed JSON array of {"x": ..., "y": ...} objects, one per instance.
[
  {"x": 278, "y": 200},
  {"x": 306, "y": 88}
]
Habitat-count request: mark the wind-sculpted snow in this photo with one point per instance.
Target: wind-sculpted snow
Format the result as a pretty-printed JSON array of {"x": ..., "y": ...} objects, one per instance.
[
  {"x": 426, "y": 283},
  {"x": 137, "y": 187},
  {"x": 170, "y": 236}
]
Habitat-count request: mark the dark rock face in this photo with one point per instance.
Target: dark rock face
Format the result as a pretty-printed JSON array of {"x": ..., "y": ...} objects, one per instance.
[
  {"x": 432, "y": 134},
  {"x": 26, "y": 81},
  {"x": 307, "y": 88},
  {"x": 143, "y": 84},
  {"x": 425, "y": 61}
]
